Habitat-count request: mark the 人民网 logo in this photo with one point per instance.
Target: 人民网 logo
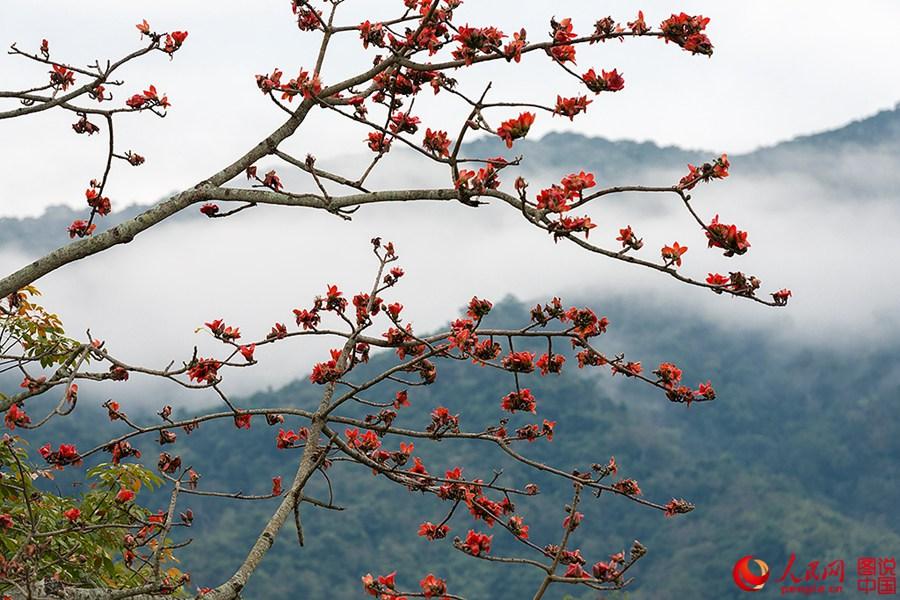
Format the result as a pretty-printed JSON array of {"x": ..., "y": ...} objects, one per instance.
[{"x": 745, "y": 578}]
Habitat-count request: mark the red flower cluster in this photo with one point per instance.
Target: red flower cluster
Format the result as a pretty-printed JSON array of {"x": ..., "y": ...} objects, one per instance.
[
  {"x": 308, "y": 19},
  {"x": 174, "y": 41},
  {"x": 442, "y": 421},
  {"x": 629, "y": 239},
  {"x": 122, "y": 449},
  {"x": 570, "y": 107},
  {"x": 485, "y": 350},
  {"x": 781, "y": 297},
  {"x": 522, "y": 400},
  {"x": 223, "y": 332},
  {"x": 518, "y": 527},
  {"x": 718, "y": 169},
  {"x": 739, "y": 283},
  {"x": 402, "y": 122},
  {"x": 383, "y": 587},
  {"x": 629, "y": 487},
  {"x": 432, "y": 586},
  {"x": 727, "y": 237},
  {"x": 548, "y": 363},
  {"x": 269, "y": 82},
  {"x": 204, "y": 369},
  {"x": 326, "y": 372},
  {"x": 478, "y": 543},
  {"x": 149, "y": 99},
  {"x": 67, "y": 454},
  {"x": 608, "y": 571},
  {"x": 81, "y": 228},
  {"x": 479, "y": 308},
  {"x": 377, "y": 142},
  {"x": 82, "y": 125},
  {"x": 555, "y": 199},
  {"x": 567, "y": 225},
  {"x": 513, "y": 50},
  {"x": 286, "y": 439},
  {"x": 473, "y": 183},
  {"x": 562, "y": 33},
  {"x": 515, "y": 129},
  {"x": 672, "y": 254},
  {"x": 519, "y": 362},
  {"x": 16, "y": 416},
  {"x": 629, "y": 369},
  {"x": 61, "y": 78},
  {"x": 167, "y": 463},
  {"x": 437, "y": 143},
  {"x": 609, "y": 81},
  {"x": 247, "y": 352},
  {"x": 639, "y": 26},
  {"x": 98, "y": 203},
  {"x": 585, "y": 323},
  {"x": 308, "y": 319},
  {"x": 686, "y": 31},
  {"x": 371, "y": 33},
  {"x": 476, "y": 40},
  {"x": 669, "y": 375},
  {"x": 433, "y": 532},
  {"x": 678, "y": 507}
]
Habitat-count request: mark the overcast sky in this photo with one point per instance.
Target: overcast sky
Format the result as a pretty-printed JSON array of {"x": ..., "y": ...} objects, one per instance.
[{"x": 780, "y": 69}]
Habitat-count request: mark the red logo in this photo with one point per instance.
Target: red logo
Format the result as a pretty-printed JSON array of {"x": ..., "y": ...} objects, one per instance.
[{"x": 746, "y": 579}]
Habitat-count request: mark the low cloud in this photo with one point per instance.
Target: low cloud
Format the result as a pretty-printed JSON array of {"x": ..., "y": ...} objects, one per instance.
[{"x": 147, "y": 298}]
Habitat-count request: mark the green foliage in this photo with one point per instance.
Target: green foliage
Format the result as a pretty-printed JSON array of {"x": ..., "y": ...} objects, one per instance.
[
  {"x": 49, "y": 541},
  {"x": 39, "y": 332}
]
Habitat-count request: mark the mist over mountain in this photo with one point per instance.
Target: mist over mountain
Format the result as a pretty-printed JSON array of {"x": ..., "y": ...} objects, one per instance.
[
  {"x": 797, "y": 455},
  {"x": 615, "y": 162}
]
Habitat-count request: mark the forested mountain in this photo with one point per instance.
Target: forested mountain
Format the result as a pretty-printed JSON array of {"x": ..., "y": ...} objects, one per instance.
[{"x": 798, "y": 454}]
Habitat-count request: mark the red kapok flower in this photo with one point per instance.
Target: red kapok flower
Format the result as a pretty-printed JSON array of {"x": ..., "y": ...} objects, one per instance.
[
  {"x": 16, "y": 416},
  {"x": 607, "y": 81},
  {"x": 476, "y": 543},
  {"x": 81, "y": 228},
  {"x": 570, "y": 107},
  {"x": 432, "y": 586},
  {"x": 124, "y": 495},
  {"x": 247, "y": 352},
  {"x": 781, "y": 297},
  {"x": 433, "y": 532},
  {"x": 672, "y": 254},
  {"x": 629, "y": 487},
  {"x": 522, "y": 400},
  {"x": 515, "y": 129},
  {"x": 678, "y": 507}
]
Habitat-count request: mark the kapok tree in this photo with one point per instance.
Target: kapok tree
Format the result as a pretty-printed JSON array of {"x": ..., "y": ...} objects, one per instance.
[{"x": 104, "y": 545}]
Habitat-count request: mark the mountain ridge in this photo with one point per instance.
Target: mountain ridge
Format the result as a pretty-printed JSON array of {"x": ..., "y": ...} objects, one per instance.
[{"x": 616, "y": 162}]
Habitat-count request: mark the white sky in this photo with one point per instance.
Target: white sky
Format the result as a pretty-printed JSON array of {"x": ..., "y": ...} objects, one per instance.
[{"x": 780, "y": 69}]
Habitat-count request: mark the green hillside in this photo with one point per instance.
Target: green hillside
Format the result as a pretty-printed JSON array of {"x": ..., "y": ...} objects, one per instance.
[{"x": 802, "y": 459}]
